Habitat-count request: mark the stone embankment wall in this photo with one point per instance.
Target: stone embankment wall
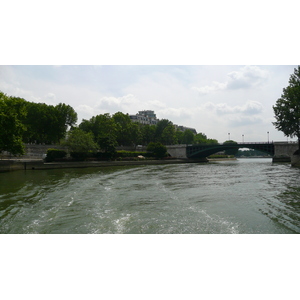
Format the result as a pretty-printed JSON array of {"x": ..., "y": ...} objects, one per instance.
[
  {"x": 37, "y": 151},
  {"x": 177, "y": 151},
  {"x": 283, "y": 151}
]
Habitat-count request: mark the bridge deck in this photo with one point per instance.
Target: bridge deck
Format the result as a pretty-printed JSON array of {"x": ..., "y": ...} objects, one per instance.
[{"x": 204, "y": 150}]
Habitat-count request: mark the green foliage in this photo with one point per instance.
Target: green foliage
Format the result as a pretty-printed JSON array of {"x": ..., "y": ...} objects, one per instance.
[
  {"x": 127, "y": 132},
  {"x": 47, "y": 123},
  {"x": 188, "y": 137},
  {"x": 201, "y": 138},
  {"x": 53, "y": 154},
  {"x": 165, "y": 132},
  {"x": 79, "y": 141},
  {"x": 147, "y": 134},
  {"x": 287, "y": 108},
  {"x": 157, "y": 149},
  {"x": 168, "y": 136},
  {"x": 233, "y": 150},
  {"x": 104, "y": 130},
  {"x": 12, "y": 112}
]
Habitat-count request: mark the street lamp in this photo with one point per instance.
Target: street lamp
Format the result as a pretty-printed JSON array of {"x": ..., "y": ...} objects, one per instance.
[
  {"x": 268, "y": 136},
  {"x": 243, "y": 137},
  {"x": 228, "y": 136}
]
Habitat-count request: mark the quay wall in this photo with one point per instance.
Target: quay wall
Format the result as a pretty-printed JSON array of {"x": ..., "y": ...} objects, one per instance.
[
  {"x": 178, "y": 151},
  {"x": 283, "y": 151},
  {"x": 13, "y": 165}
]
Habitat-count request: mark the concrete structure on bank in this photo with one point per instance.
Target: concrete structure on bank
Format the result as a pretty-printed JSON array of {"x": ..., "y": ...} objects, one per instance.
[{"x": 284, "y": 151}]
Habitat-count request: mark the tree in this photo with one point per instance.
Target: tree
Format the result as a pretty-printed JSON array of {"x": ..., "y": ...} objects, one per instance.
[
  {"x": 233, "y": 150},
  {"x": 168, "y": 135},
  {"x": 12, "y": 112},
  {"x": 127, "y": 132},
  {"x": 67, "y": 117},
  {"x": 47, "y": 123},
  {"x": 287, "y": 108},
  {"x": 160, "y": 126},
  {"x": 179, "y": 136},
  {"x": 80, "y": 143},
  {"x": 188, "y": 137},
  {"x": 158, "y": 149},
  {"x": 104, "y": 130},
  {"x": 147, "y": 133},
  {"x": 201, "y": 138}
]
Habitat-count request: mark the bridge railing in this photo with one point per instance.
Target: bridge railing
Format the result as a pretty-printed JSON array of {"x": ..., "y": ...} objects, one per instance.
[{"x": 234, "y": 143}]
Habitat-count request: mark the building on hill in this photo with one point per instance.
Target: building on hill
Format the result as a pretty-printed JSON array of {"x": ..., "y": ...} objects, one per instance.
[
  {"x": 149, "y": 117},
  {"x": 145, "y": 117}
]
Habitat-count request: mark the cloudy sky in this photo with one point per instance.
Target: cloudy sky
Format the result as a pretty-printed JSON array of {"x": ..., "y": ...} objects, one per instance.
[
  {"x": 218, "y": 67},
  {"x": 213, "y": 99}
]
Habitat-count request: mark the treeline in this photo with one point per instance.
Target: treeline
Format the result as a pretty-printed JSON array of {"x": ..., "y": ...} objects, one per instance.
[{"x": 28, "y": 122}]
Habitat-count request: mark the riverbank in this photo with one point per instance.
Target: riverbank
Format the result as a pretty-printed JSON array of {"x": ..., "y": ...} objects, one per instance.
[{"x": 38, "y": 164}]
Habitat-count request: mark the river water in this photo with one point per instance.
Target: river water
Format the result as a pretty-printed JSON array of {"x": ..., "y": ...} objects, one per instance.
[{"x": 231, "y": 197}]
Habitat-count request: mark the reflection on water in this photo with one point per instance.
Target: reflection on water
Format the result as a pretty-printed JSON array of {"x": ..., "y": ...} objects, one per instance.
[{"x": 242, "y": 196}]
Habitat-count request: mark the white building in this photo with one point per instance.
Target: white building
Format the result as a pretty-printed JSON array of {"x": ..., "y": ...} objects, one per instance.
[
  {"x": 149, "y": 117},
  {"x": 145, "y": 117}
]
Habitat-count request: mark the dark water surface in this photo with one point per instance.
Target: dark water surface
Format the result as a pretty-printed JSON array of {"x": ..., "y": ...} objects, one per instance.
[{"x": 242, "y": 196}]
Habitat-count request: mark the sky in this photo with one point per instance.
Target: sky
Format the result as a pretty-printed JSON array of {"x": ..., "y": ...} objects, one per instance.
[
  {"x": 221, "y": 101},
  {"x": 218, "y": 67}
]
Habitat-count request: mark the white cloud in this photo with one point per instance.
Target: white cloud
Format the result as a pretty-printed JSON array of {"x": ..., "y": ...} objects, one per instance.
[
  {"x": 175, "y": 113},
  {"x": 215, "y": 86},
  {"x": 50, "y": 98},
  {"x": 249, "y": 108},
  {"x": 246, "y": 77}
]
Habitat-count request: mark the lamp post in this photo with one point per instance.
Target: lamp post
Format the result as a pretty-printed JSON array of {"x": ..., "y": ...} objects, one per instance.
[
  {"x": 243, "y": 138},
  {"x": 268, "y": 136},
  {"x": 228, "y": 136}
]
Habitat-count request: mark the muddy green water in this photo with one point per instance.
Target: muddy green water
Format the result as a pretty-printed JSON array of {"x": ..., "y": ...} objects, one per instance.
[{"x": 231, "y": 197}]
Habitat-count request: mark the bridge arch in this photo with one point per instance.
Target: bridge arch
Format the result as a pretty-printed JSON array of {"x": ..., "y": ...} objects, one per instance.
[{"x": 204, "y": 150}]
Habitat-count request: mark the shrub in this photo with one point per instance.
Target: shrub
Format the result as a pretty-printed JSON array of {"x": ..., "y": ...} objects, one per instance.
[
  {"x": 157, "y": 149},
  {"x": 79, "y": 156},
  {"x": 53, "y": 154}
]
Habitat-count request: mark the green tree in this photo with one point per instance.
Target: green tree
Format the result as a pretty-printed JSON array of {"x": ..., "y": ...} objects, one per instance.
[
  {"x": 188, "y": 137},
  {"x": 67, "y": 117},
  {"x": 160, "y": 126},
  {"x": 147, "y": 134},
  {"x": 287, "y": 108},
  {"x": 233, "y": 150},
  {"x": 47, "y": 123},
  {"x": 158, "y": 149},
  {"x": 179, "y": 136},
  {"x": 104, "y": 130},
  {"x": 127, "y": 132},
  {"x": 168, "y": 135},
  {"x": 12, "y": 112},
  {"x": 80, "y": 143},
  {"x": 200, "y": 138}
]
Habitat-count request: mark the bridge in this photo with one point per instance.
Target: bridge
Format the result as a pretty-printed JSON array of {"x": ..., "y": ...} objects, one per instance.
[
  {"x": 200, "y": 151},
  {"x": 280, "y": 151}
]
